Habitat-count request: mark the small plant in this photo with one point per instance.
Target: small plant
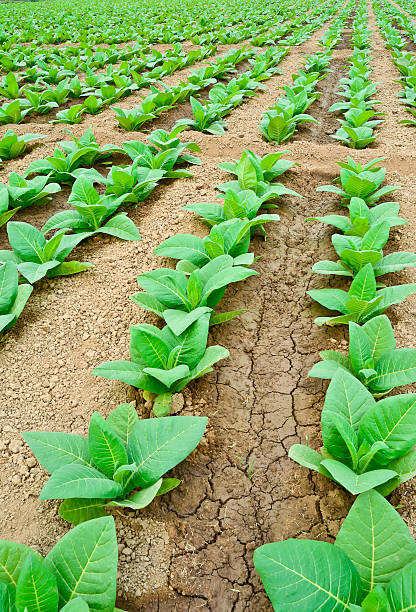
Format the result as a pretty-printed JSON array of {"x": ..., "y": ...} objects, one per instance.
[
  {"x": 13, "y": 296},
  {"x": 135, "y": 182},
  {"x": 230, "y": 237},
  {"x": 121, "y": 454},
  {"x": 362, "y": 218},
  {"x": 92, "y": 152},
  {"x": 23, "y": 193},
  {"x": 74, "y": 114},
  {"x": 37, "y": 257},
  {"x": 372, "y": 565},
  {"x": 363, "y": 301},
  {"x": 143, "y": 156},
  {"x": 372, "y": 358},
  {"x": 361, "y": 183},
  {"x": 180, "y": 300},
  {"x": 133, "y": 119},
  {"x": 91, "y": 214},
  {"x": 79, "y": 573},
  {"x": 279, "y": 124},
  {"x": 207, "y": 117},
  {"x": 366, "y": 444},
  {"x": 12, "y": 145},
  {"x": 163, "y": 363},
  {"x": 14, "y": 112}
]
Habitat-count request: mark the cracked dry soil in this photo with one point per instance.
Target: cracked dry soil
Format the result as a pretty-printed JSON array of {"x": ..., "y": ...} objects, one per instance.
[{"x": 193, "y": 549}]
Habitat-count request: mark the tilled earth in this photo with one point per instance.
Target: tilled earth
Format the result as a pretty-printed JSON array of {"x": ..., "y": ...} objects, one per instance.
[{"x": 192, "y": 550}]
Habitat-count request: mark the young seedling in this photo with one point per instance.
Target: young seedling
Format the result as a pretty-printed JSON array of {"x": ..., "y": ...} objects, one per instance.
[
  {"x": 122, "y": 454},
  {"x": 363, "y": 301},
  {"x": 207, "y": 117},
  {"x": 372, "y": 358},
  {"x": 180, "y": 300},
  {"x": 37, "y": 257},
  {"x": 164, "y": 363},
  {"x": 91, "y": 214},
  {"x": 366, "y": 444},
  {"x": 12, "y": 145}
]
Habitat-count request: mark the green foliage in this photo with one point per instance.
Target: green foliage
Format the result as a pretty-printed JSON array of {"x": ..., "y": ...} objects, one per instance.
[{"x": 122, "y": 454}]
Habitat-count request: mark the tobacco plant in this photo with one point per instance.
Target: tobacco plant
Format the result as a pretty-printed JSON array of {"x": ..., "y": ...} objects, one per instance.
[
  {"x": 22, "y": 193},
  {"x": 120, "y": 464},
  {"x": 362, "y": 218},
  {"x": 12, "y": 145},
  {"x": 360, "y": 183},
  {"x": 91, "y": 214},
  {"x": 366, "y": 444},
  {"x": 371, "y": 567},
  {"x": 363, "y": 301},
  {"x": 164, "y": 363},
  {"x": 372, "y": 358},
  {"x": 37, "y": 257},
  {"x": 181, "y": 300},
  {"x": 230, "y": 237},
  {"x": 78, "y": 575},
  {"x": 207, "y": 117}
]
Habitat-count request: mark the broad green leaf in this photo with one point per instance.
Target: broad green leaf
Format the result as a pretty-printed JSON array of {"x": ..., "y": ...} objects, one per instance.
[
  {"x": 106, "y": 449},
  {"x": 36, "y": 589},
  {"x": 77, "y": 511},
  {"x": 76, "y": 605},
  {"x": 376, "y": 539},
  {"x": 304, "y": 575},
  {"x": 395, "y": 368},
  {"x": 26, "y": 241},
  {"x": 380, "y": 335},
  {"x": 82, "y": 481},
  {"x": 122, "y": 420},
  {"x": 363, "y": 287},
  {"x": 121, "y": 227},
  {"x": 140, "y": 499},
  {"x": 356, "y": 483},
  {"x": 12, "y": 558},
  {"x": 346, "y": 396},
  {"x": 85, "y": 564},
  {"x": 157, "y": 445},
  {"x": 305, "y": 456},
  {"x": 360, "y": 350},
  {"x": 392, "y": 421},
  {"x": 55, "y": 450}
]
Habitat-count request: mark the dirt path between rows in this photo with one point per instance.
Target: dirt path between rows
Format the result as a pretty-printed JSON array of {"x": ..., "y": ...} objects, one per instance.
[{"x": 193, "y": 549}]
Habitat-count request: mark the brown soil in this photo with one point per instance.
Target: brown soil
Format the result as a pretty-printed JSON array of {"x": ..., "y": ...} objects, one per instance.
[{"x": 193, "y": 549}]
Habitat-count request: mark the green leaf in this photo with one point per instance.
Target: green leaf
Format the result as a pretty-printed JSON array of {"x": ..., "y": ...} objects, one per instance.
[
  {"x": 35, "y": 271},
  {"x": 380, "y": 335},
  {"x": 84, "y": 562},
  {"x": 36, "y": 589},
  {"x": 26, "y": 241},
  {"x": 157, "y": 445},
  {"x": 122, "y": 420},
  {"x": 106, "y": 449},
  {"x": 76, "y": 605},
  {"x": 356, "y": 483},
  {"x": 77, "y": 511},
  {"x": 76, "y": 480},
  {"x": 395, "y": 368},
  {"x": 392, "y": 421},
  {"x": 376, "y": 539},
  {"x": 8, "y": 286},
  {"x": 363, "y": 287},
  {"x": 121, "y": 227},
  {"x": 346, "y": 396},
  {"x": 168, "y": 484},
  {"x": 12, "y": 559},
  {"x": 306, "y": 456},
  {"x": 162, "y": 404},
  {"x": 360, "y": 350},
  {"x": 55, "y": 450},
  {"x": 401, "y": 590},
  {"x": 69, "y": 267},
  {"x": 140, "y": 499},
  {"x": 304, "y": 575}
]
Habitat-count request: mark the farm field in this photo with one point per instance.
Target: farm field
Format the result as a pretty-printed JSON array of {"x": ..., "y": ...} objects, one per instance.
[{"x": 207, "y": 306}]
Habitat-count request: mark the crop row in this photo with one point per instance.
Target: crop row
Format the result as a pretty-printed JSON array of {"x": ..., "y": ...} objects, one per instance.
[
  {"x": 368, "y": 445},
  {"x": 103, "y": 89}
]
